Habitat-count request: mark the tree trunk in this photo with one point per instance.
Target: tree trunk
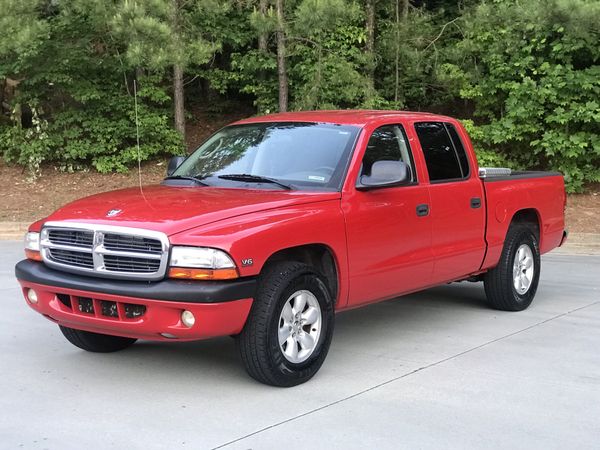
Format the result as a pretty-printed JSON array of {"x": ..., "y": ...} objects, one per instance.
[
  {"x": 178, "y": 100},
  {"x": 370, "y": 42},
  {"x": 281, "y": 69},
  {"x": 401, "y": 16},
  {"x": 404, "y": 11},
  {"x": 178, "y": 90},
  {"x": 262, "y": 38}
]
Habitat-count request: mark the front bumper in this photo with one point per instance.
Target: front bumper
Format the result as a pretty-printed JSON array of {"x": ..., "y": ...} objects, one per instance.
[{"x": 103, "y": 305}]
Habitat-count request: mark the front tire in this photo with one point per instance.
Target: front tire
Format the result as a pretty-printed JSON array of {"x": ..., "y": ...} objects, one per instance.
[
  {"x": 512, "y": 284},
  {"x": 290, "y": 326},
  {"x": 95, "y": 342}
]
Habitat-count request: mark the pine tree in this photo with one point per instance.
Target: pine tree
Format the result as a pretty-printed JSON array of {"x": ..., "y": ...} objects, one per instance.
[{"x": 163, "y": 35}]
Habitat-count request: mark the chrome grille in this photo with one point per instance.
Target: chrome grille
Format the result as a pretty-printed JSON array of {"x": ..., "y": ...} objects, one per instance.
[
  {"x": 76, "y": 238},
  {"x": 105, "y": 250},
  {"x": 78, "y": 259},
  {"x": 132, "y": 243},
  {"x": 125, "y": 264}
]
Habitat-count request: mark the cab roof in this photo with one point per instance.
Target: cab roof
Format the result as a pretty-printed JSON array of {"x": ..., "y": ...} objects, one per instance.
[{"x": 359, "y": 117}]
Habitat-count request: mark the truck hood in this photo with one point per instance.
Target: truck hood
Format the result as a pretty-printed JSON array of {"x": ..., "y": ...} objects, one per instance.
[{"x": 173, "y": 209}]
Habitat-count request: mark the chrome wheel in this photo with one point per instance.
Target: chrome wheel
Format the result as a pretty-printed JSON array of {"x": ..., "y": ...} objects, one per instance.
[
  {"x": 300, "y": 325},
  {"x": 523, "y": 269}
]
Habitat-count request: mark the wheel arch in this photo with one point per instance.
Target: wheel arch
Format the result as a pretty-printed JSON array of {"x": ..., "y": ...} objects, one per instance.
[
  {"x": 529, "y": 217},
  {"x": 318, "y": 255}
]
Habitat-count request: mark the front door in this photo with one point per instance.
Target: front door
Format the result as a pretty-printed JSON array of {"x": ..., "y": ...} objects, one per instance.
[{"x": 388, "y": 229}]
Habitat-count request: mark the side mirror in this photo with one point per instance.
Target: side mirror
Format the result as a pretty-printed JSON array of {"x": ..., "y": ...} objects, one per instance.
[
  {"x": 385, "y": 173},
  {"x": 174, "y": 163}
]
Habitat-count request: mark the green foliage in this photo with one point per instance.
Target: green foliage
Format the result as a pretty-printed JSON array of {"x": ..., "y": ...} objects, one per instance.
[
  {"x": 486, "y": 157},
  {"x": 155, "y": 39},
  {"x": 524, "y": 75},
  {"x": 326, "y": 61},
  {"x": 532, "y": 73},
  {"x": 408, "y": 58},
  {"x": 80, "y": 93}
]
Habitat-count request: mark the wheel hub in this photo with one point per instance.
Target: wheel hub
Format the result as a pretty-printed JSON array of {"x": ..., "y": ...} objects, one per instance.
[
  {"x": 299, "y": 326},
  {"x": 523, "y": 269}
]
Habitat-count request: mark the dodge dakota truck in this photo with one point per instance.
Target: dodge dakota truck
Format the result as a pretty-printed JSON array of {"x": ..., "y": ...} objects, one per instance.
[{"x": 276, "y": 223}]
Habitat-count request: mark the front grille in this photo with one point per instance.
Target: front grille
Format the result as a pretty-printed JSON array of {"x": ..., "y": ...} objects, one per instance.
[
  {"x": 108, "y": 251},
  {"x": 75, "y": 238},
  {"x": 72, "y": 258},
  {"x": 132, "y": 243},
  {"x": 126, "y": 264}
]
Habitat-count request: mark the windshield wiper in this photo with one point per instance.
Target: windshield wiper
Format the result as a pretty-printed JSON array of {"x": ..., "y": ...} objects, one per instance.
[
  {"x": 254, "y": 179},
  {"x": 183, "y": 177}
]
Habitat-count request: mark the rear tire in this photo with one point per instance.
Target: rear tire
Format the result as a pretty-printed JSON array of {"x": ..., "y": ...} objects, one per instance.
[
  {"x": 95, "y": 342},
  {"x": 290, "y": 326},
  {"x": 512, "y": 284}
]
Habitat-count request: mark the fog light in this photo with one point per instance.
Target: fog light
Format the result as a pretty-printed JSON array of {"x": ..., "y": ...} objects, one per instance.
[
  {"x": 188, "y": 319},
  {"x": 32, "y": 296},
  {"x": 168, "y": 335}
]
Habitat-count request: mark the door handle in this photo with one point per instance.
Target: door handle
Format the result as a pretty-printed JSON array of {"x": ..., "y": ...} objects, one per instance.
[
  {"x": 422, "y": 210},
  {"x": 475, "y": 202}
]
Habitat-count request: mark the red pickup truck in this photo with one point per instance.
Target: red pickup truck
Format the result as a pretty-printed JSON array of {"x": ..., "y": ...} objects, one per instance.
[{"x": 277, "y": 222}]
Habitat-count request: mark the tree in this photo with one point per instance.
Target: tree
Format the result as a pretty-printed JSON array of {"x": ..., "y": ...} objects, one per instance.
[
  {"x": 524, "y": 75},
  {"x": 73, "y": 80},
  {"x": 178, "y": 93},
  {"x": 281, "y": 56},
  {"x": 370, "y": 42},
  {"x": 401, "y": 16},
  {"x": 532, "y": 72},
  {"x": 163, "y": 34},
  {"x": 263, "y": 35}
]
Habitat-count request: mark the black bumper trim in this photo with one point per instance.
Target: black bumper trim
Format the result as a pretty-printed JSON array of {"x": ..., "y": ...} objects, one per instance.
[{"x": 167, "y": 290}]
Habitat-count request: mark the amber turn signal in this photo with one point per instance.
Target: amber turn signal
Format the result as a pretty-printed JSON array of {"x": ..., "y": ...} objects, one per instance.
[
  {"x": 202, "y": 274},
  {"x": 32, "y": 254}
]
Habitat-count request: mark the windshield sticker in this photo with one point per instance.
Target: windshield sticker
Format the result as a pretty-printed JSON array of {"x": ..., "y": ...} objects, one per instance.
[{"x": 316, "y": 178}]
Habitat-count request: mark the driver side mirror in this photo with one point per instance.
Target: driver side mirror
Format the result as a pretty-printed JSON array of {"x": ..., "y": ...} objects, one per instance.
[
  {"x": 174, "y": 163},
  {"x": 384, "y": 174}
]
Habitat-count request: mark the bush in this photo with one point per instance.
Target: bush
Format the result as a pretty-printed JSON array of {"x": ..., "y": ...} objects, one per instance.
[
  {"x": 532, "y": 72},
  {"x": 79, "y": 92}
]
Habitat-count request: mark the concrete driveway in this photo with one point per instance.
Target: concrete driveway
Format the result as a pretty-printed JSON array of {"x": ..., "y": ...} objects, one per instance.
[{"x": 438, "y": 369}]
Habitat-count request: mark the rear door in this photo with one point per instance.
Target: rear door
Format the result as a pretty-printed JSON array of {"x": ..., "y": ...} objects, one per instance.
[
  {"x": 457, "y": 202},
  {"x": 389, "y": 240}
]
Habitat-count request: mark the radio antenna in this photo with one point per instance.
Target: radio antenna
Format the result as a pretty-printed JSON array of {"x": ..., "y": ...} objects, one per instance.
[{"x": 137, "y": 136}]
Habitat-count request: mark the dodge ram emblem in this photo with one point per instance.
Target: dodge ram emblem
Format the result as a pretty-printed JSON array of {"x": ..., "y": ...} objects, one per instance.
[{"x": 113, "y": 212}]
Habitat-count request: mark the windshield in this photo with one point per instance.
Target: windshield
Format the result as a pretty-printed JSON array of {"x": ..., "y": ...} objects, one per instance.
[{"x": 300, "y": 155}]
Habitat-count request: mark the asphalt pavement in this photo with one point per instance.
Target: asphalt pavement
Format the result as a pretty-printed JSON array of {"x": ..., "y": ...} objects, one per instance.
[{"x": 436, "y": 369}]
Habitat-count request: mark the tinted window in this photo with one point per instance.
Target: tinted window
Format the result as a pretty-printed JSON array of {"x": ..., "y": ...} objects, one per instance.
[
  {"x": 440, "y": 156},
  {"x": 387, "y": 143},
  {"x": 460, "y": 149}
]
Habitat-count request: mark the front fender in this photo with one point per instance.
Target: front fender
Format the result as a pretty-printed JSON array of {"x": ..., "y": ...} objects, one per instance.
[{"x": 252, "y": 238}]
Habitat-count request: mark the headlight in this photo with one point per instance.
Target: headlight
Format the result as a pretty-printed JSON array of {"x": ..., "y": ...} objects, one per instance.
[
  {"x": 32, "y": 241},
  {"x": 200, "y": 263},
  {"x": 32, "y": 246}
]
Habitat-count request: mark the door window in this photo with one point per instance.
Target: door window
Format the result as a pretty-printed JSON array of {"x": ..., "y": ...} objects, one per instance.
[
  {"x": 388, "y": 143},
  {"x": 460, "y": 149},
  {"x": 441, "y": 153}
]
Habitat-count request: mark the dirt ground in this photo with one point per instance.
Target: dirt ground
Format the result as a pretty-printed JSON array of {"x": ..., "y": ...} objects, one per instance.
[
  {"x": 24, "y": 201},
  {"x": 583, "y": 212}
]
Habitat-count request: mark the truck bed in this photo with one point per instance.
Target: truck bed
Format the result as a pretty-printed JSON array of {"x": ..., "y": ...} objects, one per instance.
[{"x": 541, "y": 193}]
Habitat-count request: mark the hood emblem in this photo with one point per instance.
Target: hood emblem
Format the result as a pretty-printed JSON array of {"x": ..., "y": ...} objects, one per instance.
[{"x": 114, "y": 212}]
